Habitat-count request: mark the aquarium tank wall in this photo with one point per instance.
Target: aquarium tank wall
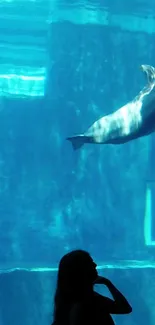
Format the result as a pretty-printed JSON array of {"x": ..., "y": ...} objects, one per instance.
[{"x": 64, "y": 65}]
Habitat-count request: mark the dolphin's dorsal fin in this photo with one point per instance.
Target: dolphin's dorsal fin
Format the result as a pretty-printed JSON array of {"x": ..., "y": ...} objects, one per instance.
[{"x": 150, "y": 72}]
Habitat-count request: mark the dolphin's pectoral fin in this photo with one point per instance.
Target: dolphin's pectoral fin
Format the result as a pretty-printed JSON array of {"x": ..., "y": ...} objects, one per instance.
[
  {"x": 150, "y": 72},
  {"x": 77, "y": 141}
]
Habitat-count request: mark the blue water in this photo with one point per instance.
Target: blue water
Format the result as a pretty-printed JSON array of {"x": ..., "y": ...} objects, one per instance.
[{"x": 64, "y": 65}]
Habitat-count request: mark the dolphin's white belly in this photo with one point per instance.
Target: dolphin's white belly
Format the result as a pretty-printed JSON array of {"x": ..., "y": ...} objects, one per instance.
[
  {"x": 122, "y": 123},
  {"x": 128, "y": 118}
]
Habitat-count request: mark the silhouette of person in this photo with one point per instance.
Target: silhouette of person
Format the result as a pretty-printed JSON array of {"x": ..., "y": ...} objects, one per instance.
[{"x": 75, "y": 302}]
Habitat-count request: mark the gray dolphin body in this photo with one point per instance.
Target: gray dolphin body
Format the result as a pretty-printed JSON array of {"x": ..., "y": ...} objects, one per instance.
[{"x": 133, "y": 120}]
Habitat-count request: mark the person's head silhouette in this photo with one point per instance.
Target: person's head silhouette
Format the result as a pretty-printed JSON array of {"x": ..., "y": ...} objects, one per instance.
[{"x": 76, "y": 275}]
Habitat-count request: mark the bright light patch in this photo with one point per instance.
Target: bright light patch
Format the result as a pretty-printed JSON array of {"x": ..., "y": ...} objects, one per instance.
[
  {"x": 148, "y": 219},
  {"x": 26, "y": 82},
  {"x": 11, "y": 1},
  {"x": 26, "y": 78}
]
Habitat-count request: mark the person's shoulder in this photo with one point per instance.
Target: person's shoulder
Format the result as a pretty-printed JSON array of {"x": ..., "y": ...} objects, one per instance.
[
  {"x": 78, "y": 313},
  {"x": 78, "y": 307},
  {"x": 82, "y": 307},
  {"x": 82, "y": 312}
]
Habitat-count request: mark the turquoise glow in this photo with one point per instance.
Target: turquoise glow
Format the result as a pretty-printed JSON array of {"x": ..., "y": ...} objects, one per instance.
[{"x": 27, "y": 82}]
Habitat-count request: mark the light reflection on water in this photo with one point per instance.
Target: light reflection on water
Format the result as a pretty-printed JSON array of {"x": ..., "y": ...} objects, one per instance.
[
  {"x": 132, "y": 7},
  {"x": 82, "y": 13}
]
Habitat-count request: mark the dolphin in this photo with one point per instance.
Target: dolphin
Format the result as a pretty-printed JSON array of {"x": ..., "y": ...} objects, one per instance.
[{"x": 132, "y": 121}]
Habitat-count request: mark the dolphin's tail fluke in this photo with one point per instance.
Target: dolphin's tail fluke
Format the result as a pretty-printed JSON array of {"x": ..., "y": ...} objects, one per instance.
[{"x": 77, "y": 141}]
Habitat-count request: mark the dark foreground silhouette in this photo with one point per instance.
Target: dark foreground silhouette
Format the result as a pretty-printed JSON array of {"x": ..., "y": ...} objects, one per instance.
[{"x": 76, "y": 303}]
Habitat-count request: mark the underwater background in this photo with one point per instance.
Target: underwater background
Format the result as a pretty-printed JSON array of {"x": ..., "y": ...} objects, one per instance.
[{"x": 63, "y": 65}]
